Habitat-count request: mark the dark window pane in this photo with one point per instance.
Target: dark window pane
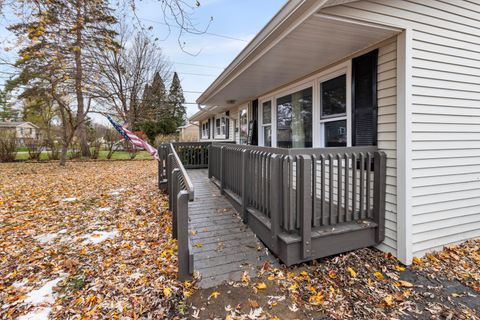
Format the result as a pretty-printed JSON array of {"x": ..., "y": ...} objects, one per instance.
[
  {"x": 334, "y": 99},
  {"x": 336, "y": 133},
  {"x": 267, "y": 136},
  {"x": 294, "y": 120},
  {"x": 364, "y": 102},
  {"x": 267, "y": 112}
]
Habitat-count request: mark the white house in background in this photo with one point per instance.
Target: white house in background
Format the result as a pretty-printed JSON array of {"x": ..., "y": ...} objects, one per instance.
[
  {"x": 401, "y": 75},
  {"x": 23, "y": 130}
]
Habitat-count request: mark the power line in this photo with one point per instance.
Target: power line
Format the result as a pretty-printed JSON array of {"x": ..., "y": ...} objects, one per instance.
[
  {"x": 209, "y": 33},
  {"x": 197, "y": 74},
  {"x": 198, "y": 65}
]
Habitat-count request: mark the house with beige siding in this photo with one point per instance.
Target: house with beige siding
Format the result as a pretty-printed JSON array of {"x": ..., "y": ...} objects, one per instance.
[
  {"x": 401, "y": 76},
  {"x": 188, "y": 132}
]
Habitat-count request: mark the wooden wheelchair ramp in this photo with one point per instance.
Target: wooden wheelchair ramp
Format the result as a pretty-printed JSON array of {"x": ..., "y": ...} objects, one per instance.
[{"x": 223, "y": 246}]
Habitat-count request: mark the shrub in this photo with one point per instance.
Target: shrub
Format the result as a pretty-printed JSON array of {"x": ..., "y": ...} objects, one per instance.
[
  {"x": 8, "y": 147},
  {"x": 95, "y": 149},
  {"x": 75, "y": 152},
  {"x": 35, "y": 147},
  {"x": 54, "y": 149},
  {"x": 152, "y": 129},
  {"x": 165, "y": 138}
]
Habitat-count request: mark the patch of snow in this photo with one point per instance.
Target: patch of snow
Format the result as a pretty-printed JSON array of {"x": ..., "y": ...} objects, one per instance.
[
  {"x": 63, "y": 231},
  {"x": 44, "y": 294},
  {"x": 20, "y": 284},
  {"x": 116, "y": 192},
  {"x": 99, "y": 236},
  {"x": 69, "y": 199},
  {"x": 104, "y": 209},
  {"x": 44, "y": 238},
  {"x": 38, "y": 314}
]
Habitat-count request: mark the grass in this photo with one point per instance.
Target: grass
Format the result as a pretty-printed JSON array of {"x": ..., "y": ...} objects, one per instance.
[{"x": 119, "y": 155}]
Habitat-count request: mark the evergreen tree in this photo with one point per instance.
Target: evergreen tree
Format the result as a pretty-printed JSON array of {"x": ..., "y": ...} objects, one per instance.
[
  {"x": 176, "y": 101},
  {"x": 6, "y": 110},
  {"x": 158, "y": 100},
  {"x": 62, "y": 36}
]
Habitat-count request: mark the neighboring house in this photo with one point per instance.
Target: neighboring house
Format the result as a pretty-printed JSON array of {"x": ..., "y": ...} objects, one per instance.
[
  {"x": 188, "y": 132},
  {"x": 400, "y": 75},
  {"x": 23, "y": 130}
]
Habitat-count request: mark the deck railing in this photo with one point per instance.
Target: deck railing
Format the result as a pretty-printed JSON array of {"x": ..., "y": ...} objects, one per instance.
[
  {"x": 298, "y": 195},
  {"x": 174, "y": 178}
]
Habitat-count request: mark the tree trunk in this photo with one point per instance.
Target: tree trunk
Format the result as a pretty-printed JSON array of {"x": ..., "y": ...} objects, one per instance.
[
  {"x": 81, "y": 130},
  {"x": 63, "y": 155}
]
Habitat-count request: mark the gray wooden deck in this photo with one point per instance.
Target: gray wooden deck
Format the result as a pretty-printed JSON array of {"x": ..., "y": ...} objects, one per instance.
[{"x": 223, "y": 247}]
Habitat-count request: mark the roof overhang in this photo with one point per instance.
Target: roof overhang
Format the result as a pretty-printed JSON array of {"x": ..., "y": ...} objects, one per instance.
[{"x": 297, "y": 41}]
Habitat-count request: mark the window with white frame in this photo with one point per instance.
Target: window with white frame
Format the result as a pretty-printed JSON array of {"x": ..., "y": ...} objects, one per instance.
[
  {"x": 333, "y": 111},
  {"x": 220, "y": 127},
  {"x": 267, "y": 123},
  {"x": 205, "y": 130}
]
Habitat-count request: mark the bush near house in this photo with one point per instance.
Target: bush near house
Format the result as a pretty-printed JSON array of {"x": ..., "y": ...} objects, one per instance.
[{"x": 8, "y": 147}]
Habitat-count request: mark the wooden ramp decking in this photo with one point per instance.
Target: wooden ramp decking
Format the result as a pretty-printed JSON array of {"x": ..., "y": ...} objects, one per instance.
[{"x": 223, "y": 246}]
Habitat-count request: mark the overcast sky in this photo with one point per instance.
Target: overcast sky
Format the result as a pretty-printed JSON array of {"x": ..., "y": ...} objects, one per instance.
[{"x": 234, "y": 21}]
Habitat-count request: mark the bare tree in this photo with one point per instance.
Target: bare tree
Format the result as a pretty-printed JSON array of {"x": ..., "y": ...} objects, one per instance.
[{"x": 124, "y": 73}]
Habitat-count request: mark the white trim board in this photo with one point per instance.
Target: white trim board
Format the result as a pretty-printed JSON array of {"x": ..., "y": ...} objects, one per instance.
[{"x": 404, "y": 147}]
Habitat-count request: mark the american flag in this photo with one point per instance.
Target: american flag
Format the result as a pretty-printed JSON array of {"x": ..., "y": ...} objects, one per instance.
[{"x": 136, "y": 141}]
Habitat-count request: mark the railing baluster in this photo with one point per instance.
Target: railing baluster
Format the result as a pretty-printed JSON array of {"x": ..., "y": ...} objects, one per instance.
[
  {"x": 292, "y": 211},
  {"x": 362, "y": 185},
  {"x": 286, "y": 192},
  {"x": 369, "y": 171},
  {"x": 330, "y": 189},
  {"x": 315, "y": 211},
  {"x": 323, "y": 194},
  {"x": 339, "y": 189},
  {"x": 354, "y": 186},
  {"x": 348, "y": 217}
]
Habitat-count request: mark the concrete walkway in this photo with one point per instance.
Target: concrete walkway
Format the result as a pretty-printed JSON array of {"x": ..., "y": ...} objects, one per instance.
[{"x": 223, "y": 246}]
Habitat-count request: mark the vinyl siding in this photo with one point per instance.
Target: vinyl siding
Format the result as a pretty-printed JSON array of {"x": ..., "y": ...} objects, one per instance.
[
  {"x": 446, "y": 113},
  {"x": 387, "y": 125}
]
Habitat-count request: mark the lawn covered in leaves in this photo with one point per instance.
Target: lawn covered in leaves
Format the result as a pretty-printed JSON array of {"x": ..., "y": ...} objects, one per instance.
[
  {"x": 88, "y": 241},
  {"x": 92, "y": 241}
]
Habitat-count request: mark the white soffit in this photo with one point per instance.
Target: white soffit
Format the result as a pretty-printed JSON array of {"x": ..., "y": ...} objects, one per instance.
[{"x": 319, "y": 41}]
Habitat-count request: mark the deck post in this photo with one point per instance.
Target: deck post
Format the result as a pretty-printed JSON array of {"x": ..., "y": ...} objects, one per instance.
[
  {"x": 244, "y": 177},
  {"x": 169, "y": 169},
  {"x": 160, "y": 167},
  {"x": 175, "y": 190},
  {"x": 304, "y": 187},
  {"x": 222, "y": 171},
  {"x": 211, "y": 162},
  {"x": 276, "y": 199},
  {"x": 181, "y": 224},
  {"x": 380, "y": 167}
]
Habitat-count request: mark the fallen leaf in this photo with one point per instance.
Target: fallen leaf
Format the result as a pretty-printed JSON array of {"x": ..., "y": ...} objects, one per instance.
[
  {"x": 352, "y": 272},
  {"x": 261, "y": 286}
]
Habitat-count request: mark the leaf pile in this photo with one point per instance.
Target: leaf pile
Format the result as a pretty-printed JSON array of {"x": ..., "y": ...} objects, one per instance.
[
  {"x": 101, "y": 229},
  {"x": 364, "y": 284}
]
